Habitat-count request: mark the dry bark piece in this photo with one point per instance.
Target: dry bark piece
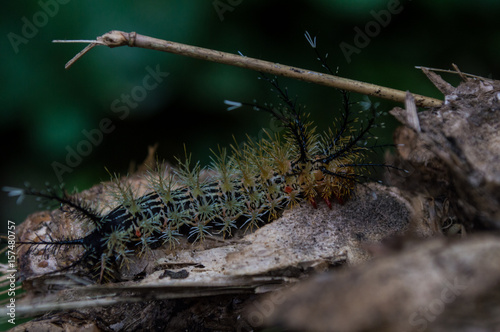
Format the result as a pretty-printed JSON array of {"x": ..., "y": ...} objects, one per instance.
[
  {"x": 437, "y": 285},
  {"x": 457, "y": 152}
]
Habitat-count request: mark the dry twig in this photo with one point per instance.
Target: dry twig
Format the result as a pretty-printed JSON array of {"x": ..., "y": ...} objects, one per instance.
[{"x": 119, "y": 38}]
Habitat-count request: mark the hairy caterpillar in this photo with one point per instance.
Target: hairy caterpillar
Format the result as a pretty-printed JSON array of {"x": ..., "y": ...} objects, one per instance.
[{"x": 247, "y": 187}]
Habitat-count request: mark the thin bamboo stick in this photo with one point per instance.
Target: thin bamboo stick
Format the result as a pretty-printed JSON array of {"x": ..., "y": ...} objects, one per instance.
[{"x": 119, "y": 38}]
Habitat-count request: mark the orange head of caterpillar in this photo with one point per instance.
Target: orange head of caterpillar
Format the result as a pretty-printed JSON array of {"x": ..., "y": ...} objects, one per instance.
[
  {"x": 311, "y": 180},
  {"x": 334, "y": 179}
]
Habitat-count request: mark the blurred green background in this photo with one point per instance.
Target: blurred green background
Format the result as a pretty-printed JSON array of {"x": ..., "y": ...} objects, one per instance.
[{"x": 45, "y": 108}]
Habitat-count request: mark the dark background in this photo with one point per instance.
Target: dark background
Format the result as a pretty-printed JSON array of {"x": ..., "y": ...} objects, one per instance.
[{"x": 45, "y": 108}]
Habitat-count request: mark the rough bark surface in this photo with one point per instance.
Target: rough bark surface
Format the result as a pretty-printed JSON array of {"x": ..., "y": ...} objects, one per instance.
[{"x": 456, "y": 152}]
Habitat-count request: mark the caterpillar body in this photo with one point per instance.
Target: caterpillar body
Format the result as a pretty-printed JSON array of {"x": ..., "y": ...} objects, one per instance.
[{"x": 246, "y": 187}]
